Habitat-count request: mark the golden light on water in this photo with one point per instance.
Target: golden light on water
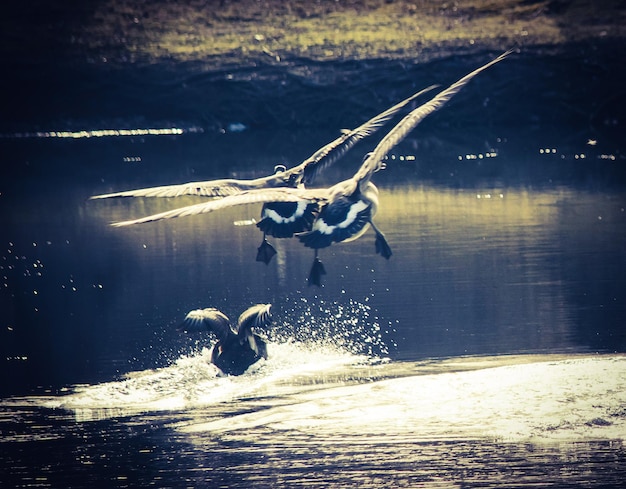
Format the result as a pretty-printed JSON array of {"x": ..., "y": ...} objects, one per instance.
[
  {"x": 491, "y": 208},
  {"x": 405, "y": 211}
]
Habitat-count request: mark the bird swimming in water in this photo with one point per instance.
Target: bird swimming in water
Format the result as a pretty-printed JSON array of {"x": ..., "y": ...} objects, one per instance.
[
  {"x": 346, "y": 209},
  {"x": 236, "y": 348},
  {"x": 279, "y": 219}
]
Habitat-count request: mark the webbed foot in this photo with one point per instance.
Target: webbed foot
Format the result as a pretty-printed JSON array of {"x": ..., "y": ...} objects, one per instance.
[
  {"x": 382, "y": 247},
  {"x": 265, "y": 252},
  {"x": 317, "y": 270}
]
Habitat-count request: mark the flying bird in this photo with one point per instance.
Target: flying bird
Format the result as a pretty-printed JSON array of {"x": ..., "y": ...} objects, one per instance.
[
  {"x": 236, "y": 348},
  {"x": 344, "y": 210},
  {"x": 279, "y": 219}
]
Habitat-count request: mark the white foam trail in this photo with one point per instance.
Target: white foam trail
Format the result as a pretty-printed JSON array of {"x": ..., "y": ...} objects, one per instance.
[
  {"x": 316, "y": 390},
  {"x": 569, "y": 399},
  {"x": 193, "y": 382}
]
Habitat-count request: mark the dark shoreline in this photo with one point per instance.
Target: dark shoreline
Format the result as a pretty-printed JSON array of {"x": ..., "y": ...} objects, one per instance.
[
  {"x": 579, "y": 77},
  {"x": 131, "y": 63}
]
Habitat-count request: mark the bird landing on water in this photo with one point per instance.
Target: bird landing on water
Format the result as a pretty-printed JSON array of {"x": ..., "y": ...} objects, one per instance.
[{"x": 237, "y": 347}]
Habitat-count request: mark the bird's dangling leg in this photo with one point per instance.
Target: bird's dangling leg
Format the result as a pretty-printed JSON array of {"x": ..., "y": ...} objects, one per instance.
[
  {"x": 265, "y": 252},
  {"x": 382, "y": 247},
  {"x": 317, "y": 270}
]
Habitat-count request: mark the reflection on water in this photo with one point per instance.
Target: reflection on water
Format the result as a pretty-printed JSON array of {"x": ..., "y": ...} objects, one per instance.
[
  {"x": 513, "y": 269},
  {"x": 105, "y": 133}
]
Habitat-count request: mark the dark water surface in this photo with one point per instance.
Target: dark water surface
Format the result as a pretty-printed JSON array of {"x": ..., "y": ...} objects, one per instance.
[{"x": 506, "y": 215}]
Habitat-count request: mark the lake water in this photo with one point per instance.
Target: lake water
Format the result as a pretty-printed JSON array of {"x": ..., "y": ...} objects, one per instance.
[{"x": 487, "y": 352}]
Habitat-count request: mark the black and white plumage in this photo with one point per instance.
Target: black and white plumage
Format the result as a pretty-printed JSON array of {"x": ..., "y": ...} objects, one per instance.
[
  {"x": 346, "y": 216},
  {"x": 347, "y": 208},
  {"x": 283, "y": 220},
  {"x": 236, "y": 348}
]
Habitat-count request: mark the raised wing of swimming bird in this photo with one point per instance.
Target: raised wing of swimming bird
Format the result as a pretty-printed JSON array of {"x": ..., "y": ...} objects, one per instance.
[
  {"x": 256, "y": 196},
  {"x": 305, "y": 172},
  {"x": 209, "y": 319},
  {"x": 374, "y": 160},
  {"x": 256, "y": 316}
]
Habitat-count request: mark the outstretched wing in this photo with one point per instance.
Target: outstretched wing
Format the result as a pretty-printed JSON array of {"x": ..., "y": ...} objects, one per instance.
[
  {"x": 329, "y": 154},
  {"x": 210, "y": 188},
  {"x": 257, "y": 316},
  {"x": 246, "y": 197},
  {"x": 254, "y": 317},
  {"x": 310, "y": 167},
  {"x": 374, "y": 161},
  {"x": 209, "y": 319}
]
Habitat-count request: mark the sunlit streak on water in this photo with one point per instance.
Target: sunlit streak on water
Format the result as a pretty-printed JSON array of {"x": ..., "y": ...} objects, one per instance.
[
  {"x": 101, "y": 133},
  {"x": 309, "y": 348}
]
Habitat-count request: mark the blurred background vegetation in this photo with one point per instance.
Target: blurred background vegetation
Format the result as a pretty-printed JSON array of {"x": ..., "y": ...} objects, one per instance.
[{"x": 218, "y": 33}]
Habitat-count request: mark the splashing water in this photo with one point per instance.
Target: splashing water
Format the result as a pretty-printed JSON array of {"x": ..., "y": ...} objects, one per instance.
[
  {"x": 193, "y": 382},
  {"x": 325, "y": 342},
  {"x": 350, "y": 327}
]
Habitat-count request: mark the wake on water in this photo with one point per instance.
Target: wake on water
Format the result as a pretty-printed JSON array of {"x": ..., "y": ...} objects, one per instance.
[
  {"x": 334, "y": 384},
  {"x": 317, "y": 338},
  {"x": 193, "y": 382},
  {"x": 336, "y": 394}
]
